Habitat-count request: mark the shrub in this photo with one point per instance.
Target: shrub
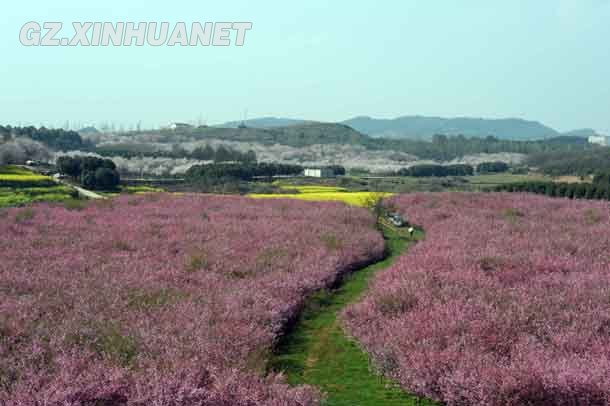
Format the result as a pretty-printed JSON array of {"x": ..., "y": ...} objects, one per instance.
[
  {"x": 106, "y": 179},
  {"x": 269, "y": 256},
  {"x": 93, "y": 173},
  {"x": 106, "y": 339},
  {"x": 120, "y": 245},
  {"x": 536, "y": 333},
  {"x": 73, "y": 204},
  {"x": 24, "y": 215},
  {"x": 593, "y": 216},
  {"x": 490, "y": 264},
  {"x": 144, "y": 299},
  {"x": 394, "y": 304},
  {"x": 512, "y": 214},
  {"x": 134, "y": 327},
  {"x": 492, "y": 167},
  {"x": 100, "y": 179},
  {"x": 196, "y": 262},
  {"x": 331, "y": 242},
  {"x": 317, "y": 301}
]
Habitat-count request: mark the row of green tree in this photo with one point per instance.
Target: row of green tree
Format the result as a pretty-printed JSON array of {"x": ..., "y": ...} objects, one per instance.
[
  {"x": 582, "y": 163},
  {"x": 445, "y": 148},
  {"x": 440, "y": 148},
  {"x": 492, "y": 167},
  {"x": 204, "y": 153},
  {"x": 337, "y": 170},
  {"x": 568, "y": 190},
  {"x": 421, "y": 171},
  {"x": 91, "y": 172},
  {"x": 56, "y": 139},
  {"x": 241, "y": 171},
  {"x": 222, "y": 154}
]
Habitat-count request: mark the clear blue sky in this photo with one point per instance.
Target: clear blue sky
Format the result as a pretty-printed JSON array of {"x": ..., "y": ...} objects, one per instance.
[{"x": 547, "y": 60}]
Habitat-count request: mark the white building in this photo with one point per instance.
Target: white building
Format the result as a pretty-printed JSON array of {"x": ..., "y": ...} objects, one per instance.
[
  {"x": 599, "y": 140},
  {"x": 318, "y": 173}
]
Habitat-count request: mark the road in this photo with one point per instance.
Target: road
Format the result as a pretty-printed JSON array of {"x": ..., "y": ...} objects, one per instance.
[
  {"x": 152, "y": 180},
  {"x": 82, "y": 192}
]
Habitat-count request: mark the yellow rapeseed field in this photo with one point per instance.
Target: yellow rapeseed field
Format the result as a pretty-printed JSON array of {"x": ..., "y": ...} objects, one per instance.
[
  {"x": 23, "y": 178},
  {"x": 14, "y": 176},
  {"x": 324, "y": 193},
  {"x": 20, "y": 187}
]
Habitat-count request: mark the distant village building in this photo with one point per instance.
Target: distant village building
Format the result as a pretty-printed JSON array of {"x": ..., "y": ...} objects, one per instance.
[
  {"x": 319, "y": 173},
  {"x": 599, "y": 140}
]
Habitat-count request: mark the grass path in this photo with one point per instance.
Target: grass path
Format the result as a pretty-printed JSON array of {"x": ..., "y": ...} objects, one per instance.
[{"x": 317, "y": 351}]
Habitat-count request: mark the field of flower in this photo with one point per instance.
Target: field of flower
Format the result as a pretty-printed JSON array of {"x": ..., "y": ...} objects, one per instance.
[
  {"x": 163, "y": 300},
  {"x": 324, "y": 193},
  {"x": 506, "y": 302}
]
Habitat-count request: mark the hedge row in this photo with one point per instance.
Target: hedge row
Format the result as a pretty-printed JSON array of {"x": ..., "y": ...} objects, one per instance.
[{"x": 590, "y": 191}]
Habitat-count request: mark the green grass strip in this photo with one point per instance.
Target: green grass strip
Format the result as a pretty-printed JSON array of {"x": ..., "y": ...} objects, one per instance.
[{"x": 317, "y": 351}]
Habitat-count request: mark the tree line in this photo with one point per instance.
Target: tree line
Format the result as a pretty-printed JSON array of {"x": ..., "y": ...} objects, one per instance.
[
  {"x": 56, "y": 139},
  {"x": 337, "y": 170},
  {"x": 204, "y": 153},
  {"x": 431, "y": 170},
  {"x": 241, "y": 171},
  {"x": 581, "y": 163},
  {"x": 440, "y": 148},
  {"x": 424, "y": 171},
  {"x": 599, "y": 189},
  {"x": 91, "y": 172},
  {"x": 446, "y": 148}
]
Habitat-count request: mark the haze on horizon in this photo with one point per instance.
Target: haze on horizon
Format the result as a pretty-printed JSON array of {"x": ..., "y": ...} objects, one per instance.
[{"x": 546, "y": 60}]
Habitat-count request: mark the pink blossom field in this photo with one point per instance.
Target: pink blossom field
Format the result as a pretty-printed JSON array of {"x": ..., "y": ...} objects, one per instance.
[
  {"x": 164, "y": 300},
  {"x": 505, "y": 302}
]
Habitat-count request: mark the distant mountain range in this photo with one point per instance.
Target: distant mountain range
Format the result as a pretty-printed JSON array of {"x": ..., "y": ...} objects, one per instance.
[
  {"x": 425, "y": 127},
  {"x": 583, "y": 133},
  {"x": 420, "y": 127}
]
